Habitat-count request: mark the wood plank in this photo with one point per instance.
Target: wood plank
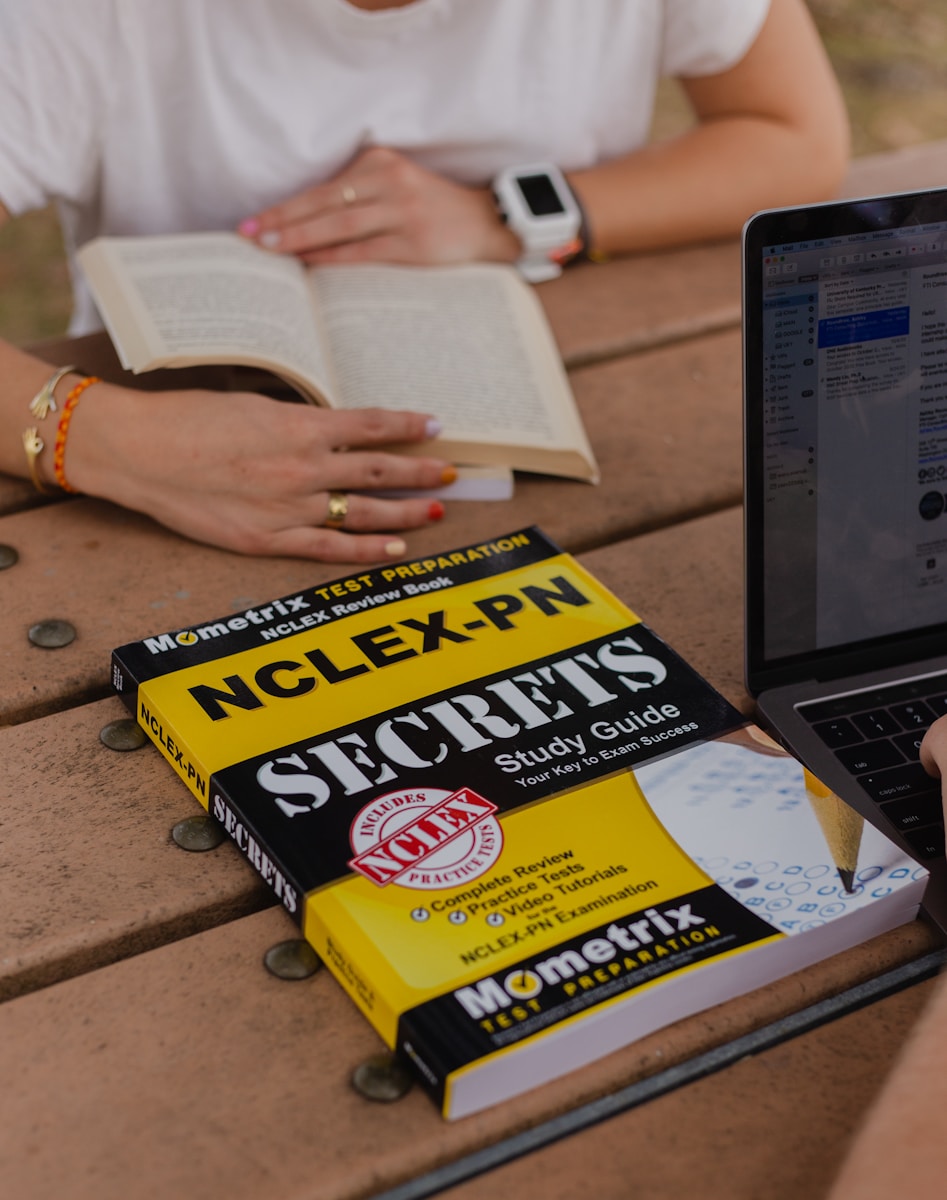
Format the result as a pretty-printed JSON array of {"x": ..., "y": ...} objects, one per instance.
[
  {"x": 686, "y": 583},
  {"x": 190, "y": 1071},
  {"x": 182, "y": 1067},
  {"x": 76, "y": 813},
  {"x": 597, "y": 312},
  {"x": 192, "y": 1045},
  {"x": 777, "y": 1124},
  {"x": 89, "y": 870},
  {"x": 138, "y": 579},
  {"x": 647, "y": 300}
]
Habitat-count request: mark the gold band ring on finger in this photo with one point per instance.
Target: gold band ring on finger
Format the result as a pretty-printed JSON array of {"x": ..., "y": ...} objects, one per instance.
[
  {"x": 338, "y": 510},
  {"x": 349, "y": 194}
]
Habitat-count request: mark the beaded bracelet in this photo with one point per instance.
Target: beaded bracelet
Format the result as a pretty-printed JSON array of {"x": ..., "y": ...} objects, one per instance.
[{"x": 62, "y": 432}]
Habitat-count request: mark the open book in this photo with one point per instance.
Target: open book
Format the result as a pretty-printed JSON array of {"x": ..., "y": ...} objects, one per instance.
[{"x": 468, "y": 344}]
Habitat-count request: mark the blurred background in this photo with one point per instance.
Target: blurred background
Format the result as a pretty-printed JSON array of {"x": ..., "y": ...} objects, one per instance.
[{"x": 890, "y": 56}]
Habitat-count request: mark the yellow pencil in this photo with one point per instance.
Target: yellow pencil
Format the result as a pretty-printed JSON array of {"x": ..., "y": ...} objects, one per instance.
[{"x": 841, "y": 825}]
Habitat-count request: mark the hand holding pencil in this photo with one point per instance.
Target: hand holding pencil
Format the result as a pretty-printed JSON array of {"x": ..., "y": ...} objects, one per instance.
[{"x": 841, "y": 825}]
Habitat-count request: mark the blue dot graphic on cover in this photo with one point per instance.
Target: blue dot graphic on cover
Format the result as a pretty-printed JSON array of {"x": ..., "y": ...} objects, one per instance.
[{"x": 746, "y": 818}]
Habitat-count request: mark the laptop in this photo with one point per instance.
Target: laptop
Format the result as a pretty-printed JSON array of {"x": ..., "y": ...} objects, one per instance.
[{"x": 845, "y": 436}]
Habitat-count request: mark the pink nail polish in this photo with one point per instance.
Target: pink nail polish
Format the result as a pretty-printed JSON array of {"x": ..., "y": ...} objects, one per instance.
[
  {"x": 433, "y": 427},
  {"x": 249, "y": 228}
]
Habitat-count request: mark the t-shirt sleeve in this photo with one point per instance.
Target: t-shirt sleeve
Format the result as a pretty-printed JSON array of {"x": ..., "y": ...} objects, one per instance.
[
  {"x": 53, "y": 78},
  {"x": 703, "y": 37}
]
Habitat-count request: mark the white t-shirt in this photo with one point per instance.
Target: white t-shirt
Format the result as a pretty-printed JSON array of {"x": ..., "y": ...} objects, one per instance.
[{"x": 150, "y": 116}]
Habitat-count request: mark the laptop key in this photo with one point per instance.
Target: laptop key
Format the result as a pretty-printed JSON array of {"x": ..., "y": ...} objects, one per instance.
[
  {"x": 913, "y": 813},
  {"x": 909, "y": 744},
  {"x": 913, "y": 716},
  {"x": 926, "y": 843},
  {"x": 840, "y": 732},
  {"x": 876, "y": 724},
  {"x": 908, "y": 780},
  {"x": 870, "y": 756},
  {"x": 938, "y": 705}
]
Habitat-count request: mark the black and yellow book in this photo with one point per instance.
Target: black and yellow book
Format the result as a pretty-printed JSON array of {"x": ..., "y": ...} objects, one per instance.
[{"x": 518, "y": 828}]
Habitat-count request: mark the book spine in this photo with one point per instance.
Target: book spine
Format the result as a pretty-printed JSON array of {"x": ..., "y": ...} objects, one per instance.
[
  {"x": 188, "y": 767},
  {"x": 256, "y": 847},
  {"x": 195, "y": 775},
  {"x": 258, "y": 853}
]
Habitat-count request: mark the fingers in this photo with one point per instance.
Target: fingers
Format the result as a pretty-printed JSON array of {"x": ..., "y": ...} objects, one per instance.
[
  {"x": 328, "y": 545},
  {"x": 352, "y": 468},
  {"x": 255, "y": 475},
  {"x": 934, "y": 749},
  {"x": 355, "y": 206},
  {"x": 384, "y": 207},
  {"x": 321, "y": 229},
  {"x": 370, "y": 528},
  {"x": 355, "y": 472},
  {"x": 344, "y": 428},
  {"x": 348, "y": 515},
  {"x": 315, "y": 201},
  {"x": 360, "y": 512}
]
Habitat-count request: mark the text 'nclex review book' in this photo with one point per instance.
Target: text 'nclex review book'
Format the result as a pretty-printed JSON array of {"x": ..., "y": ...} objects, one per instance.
[{"x": 517, "y": 827}]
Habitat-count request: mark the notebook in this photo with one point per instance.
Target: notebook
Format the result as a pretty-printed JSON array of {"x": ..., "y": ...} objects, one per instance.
[{"x": 845, "y": 436}]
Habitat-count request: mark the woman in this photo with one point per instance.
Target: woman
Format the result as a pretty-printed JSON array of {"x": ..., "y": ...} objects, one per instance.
[{"x": 359, "y": 130}]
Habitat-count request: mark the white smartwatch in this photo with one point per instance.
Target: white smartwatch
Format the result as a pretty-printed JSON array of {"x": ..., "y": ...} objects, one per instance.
[{"x": 538, "y": 205}]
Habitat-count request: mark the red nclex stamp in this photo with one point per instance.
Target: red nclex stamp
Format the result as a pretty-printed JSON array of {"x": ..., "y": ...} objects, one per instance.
[{"x": 413, "y": 827}]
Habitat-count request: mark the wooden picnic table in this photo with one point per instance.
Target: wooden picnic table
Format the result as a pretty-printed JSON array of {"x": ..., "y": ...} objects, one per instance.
[{"x": 145, "y": 1051}]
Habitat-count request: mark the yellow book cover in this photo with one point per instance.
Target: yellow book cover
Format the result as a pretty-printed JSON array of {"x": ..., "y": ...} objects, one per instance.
[{"x": 517, "y": 827}]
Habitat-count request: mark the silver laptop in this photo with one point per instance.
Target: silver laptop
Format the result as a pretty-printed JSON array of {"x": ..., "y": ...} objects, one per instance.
[{"x": 845, "y": 406}]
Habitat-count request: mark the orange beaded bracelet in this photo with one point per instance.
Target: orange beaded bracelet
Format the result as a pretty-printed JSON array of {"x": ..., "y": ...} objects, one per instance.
[{"x": 62, "y": 432}]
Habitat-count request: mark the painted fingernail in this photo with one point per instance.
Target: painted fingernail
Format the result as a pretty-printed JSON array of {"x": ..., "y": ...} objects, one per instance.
[
  {"x": 435, "y": 511},
  {"x": 448, "y": 475},
  {"x": 271, "y": 239},
  {"x": 249, "y": 228},
  {"x": 433, "y": 428},
  {"x": 395, "y": 548}
]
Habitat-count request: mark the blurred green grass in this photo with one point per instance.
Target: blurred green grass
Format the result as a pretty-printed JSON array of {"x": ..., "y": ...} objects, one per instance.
[{"x": 889, "y": 56}]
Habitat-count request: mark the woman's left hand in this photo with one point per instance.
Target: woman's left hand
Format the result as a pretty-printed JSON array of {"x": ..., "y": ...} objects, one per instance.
[{"x": 385, "y": 208}]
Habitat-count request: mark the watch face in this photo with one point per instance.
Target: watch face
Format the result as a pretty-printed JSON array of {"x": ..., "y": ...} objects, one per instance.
[{"x": 540, "y": 195}]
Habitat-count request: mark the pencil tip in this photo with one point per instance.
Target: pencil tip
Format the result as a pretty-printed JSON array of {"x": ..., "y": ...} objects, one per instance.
[{"x": 847, "y": 877}]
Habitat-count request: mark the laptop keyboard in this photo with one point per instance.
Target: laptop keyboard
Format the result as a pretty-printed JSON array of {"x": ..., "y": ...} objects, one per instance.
[{"x": 876, "y": 736}]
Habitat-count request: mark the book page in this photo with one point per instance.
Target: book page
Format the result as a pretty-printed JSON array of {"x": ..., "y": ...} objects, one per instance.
[
  {"x": 747, "y": 819},
  {"x": 201, "y": 298},
  {"x": 467, "y": 344}
]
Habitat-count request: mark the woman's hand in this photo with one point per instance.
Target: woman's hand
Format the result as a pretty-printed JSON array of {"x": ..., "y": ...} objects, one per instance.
[
  {"x": 385, "y": 208},
  {"x": 251, "y": 474}
]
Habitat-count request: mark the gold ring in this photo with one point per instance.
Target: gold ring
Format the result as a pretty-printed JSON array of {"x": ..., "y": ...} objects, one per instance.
[
  {"x": 349, "y": 194},
  {"x": 338, "y": 510}
]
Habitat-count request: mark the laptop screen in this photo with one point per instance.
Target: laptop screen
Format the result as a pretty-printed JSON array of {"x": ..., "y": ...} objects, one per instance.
[{"x": 845, "y": 356}]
